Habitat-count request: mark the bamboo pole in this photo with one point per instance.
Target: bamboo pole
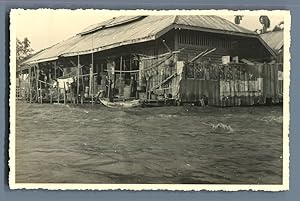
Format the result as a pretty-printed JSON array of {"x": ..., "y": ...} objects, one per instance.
[
  {"x": 51, "y": 95},
  {"x": 36, "y": 83},
  {"x": 20, "y": 82},
  {"x": 121, "y": 64},
  {"x": 92, "y": 80},
  {"x": 30, "y": 87},
  {"x": 41, "y": 93},
  {"x": 55, "y": 68},
  {"x": 57, "y": 86},
  {"x": 78, "y": 68},
  {"x": 92, "y": 74},
  {"x": 120, "y": 77},
  {"x": 114, "y": 81},
  {"x": 147, "y": 90},
  {"x": 83, "y": 88},
  {"x": 234, "y": 85},
  {"x": 64, "y": 93}
]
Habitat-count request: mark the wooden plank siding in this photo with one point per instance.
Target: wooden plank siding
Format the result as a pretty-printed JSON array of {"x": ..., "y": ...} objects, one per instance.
[{"x": 235, "y": 84}]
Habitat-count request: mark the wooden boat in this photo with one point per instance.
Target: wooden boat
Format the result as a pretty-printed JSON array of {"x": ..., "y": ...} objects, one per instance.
[{"x": 121, "y": 104}]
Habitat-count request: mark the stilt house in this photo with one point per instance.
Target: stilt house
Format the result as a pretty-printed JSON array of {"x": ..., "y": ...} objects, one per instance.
[{"x": 197, "y": 59}]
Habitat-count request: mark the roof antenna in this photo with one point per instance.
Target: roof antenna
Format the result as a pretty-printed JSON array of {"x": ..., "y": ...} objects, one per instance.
[
  {"x": 265, "y": 21},
  {"x": 238, "y": 19}
]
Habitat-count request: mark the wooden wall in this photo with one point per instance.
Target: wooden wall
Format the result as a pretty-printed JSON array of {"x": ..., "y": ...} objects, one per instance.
[
  {"x": 230, "y": 85},
  {"x": 156, "y": 71}
]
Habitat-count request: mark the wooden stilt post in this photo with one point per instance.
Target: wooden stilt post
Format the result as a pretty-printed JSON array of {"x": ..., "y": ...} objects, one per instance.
[
  {"x": 121, "y": 65},
  {"x": 55, "y": 69},
  {"x": 120, "y": 76},
  {"x": 33, "y": 84},
  {"x": 130, "y": 67},
  {"x": 30, "y": 83},
  {"x": 83, "y": 87},
  {"x": 55, "y": 75},
  {"x": 78, "y": 72},
  {"x": 64, "y": 93},
  {"x": 91, "y": 79},
  {"x": 20, "y": 84},
  {"x": 91, "y": 91},
  {"x": 41, "y": 92},
  {"x": 147, "y": 90},
  {"x": 37, "y": 83},
  {"x": 51, "y": 96},
  {"x": 114, "y": 81}
]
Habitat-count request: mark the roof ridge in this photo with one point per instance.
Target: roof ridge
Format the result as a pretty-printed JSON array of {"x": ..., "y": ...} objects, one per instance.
[
  {"x": 235, "y": 24},
  {"x": 175, "y": 19},
  {"x": 276, "y": 31}
]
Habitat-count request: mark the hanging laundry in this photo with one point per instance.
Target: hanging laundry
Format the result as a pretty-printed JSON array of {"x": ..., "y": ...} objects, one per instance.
[{"x": 64, "y": 83}]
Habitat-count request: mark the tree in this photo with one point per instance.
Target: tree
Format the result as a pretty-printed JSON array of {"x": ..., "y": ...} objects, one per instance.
[{"x": 23, "y": 50}]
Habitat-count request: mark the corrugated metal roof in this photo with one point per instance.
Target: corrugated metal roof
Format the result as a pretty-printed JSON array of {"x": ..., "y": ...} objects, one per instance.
[
  {"x": 110, "y": 23},
  {"x": 274, "y": 39},
  {"x": 128, "y": 30},
  {"x": 211, "y": 22}
]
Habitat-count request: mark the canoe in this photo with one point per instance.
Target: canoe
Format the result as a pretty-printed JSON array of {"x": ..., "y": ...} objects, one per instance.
[{"x": 121, "y": 104}]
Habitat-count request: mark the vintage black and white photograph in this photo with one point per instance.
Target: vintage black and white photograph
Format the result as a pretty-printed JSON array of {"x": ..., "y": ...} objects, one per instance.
[{"x": 149, "y": 100}]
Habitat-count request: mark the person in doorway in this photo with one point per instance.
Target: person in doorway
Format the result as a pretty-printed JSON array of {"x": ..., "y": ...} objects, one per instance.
[{"x": 133, "y": 87}]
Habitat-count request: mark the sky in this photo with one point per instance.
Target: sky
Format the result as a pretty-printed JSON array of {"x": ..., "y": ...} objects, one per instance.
[{"x": 45, "y": 27}]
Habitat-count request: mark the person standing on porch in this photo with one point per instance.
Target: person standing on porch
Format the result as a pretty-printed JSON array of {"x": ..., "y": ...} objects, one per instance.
[
  {"x": 110, "y": 93},
  {"x": 133, "y": 87}
]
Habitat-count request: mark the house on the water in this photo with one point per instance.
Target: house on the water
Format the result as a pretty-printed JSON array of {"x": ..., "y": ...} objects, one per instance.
[{"x": 185, "y": 59}]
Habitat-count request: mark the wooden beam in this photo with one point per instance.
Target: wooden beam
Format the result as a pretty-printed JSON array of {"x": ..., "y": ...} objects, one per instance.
[
  {"x": 121, "y": 64},
  {"x": 92, "y": 90},
  {"x": 41, "y": 92},
  {"x": 165, "y": 44},
  {"x": 78, "y": 69},
  {"x": 57, "y": 87},
  {"x": 176, "y": 44},
  {"x": 64, "y": 93},
  {"x": 90, "y": 79},
  {"x": 83, "y": 87},
  {"x": 73, "y": 63},
  {"x": 164, "y": 81},
  {"x": 55, "y": 68},
  {"x": 199, "y": 55},
  {"x": 30, "y": 83},
  {"x": 37, "y": 82}
]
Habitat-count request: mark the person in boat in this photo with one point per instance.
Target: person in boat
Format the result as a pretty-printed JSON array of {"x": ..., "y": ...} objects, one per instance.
[{"x": 133, "y": 87}]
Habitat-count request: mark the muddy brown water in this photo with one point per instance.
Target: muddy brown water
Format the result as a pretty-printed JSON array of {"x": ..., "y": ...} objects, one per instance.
[{"x": 94, "y": 144}]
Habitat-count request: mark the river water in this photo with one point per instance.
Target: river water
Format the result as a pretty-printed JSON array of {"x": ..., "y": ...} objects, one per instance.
[{"x": 94, "y": 144}]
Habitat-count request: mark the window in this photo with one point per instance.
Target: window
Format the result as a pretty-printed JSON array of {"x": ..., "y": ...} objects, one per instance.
[{"x": 194, "y": 38}]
